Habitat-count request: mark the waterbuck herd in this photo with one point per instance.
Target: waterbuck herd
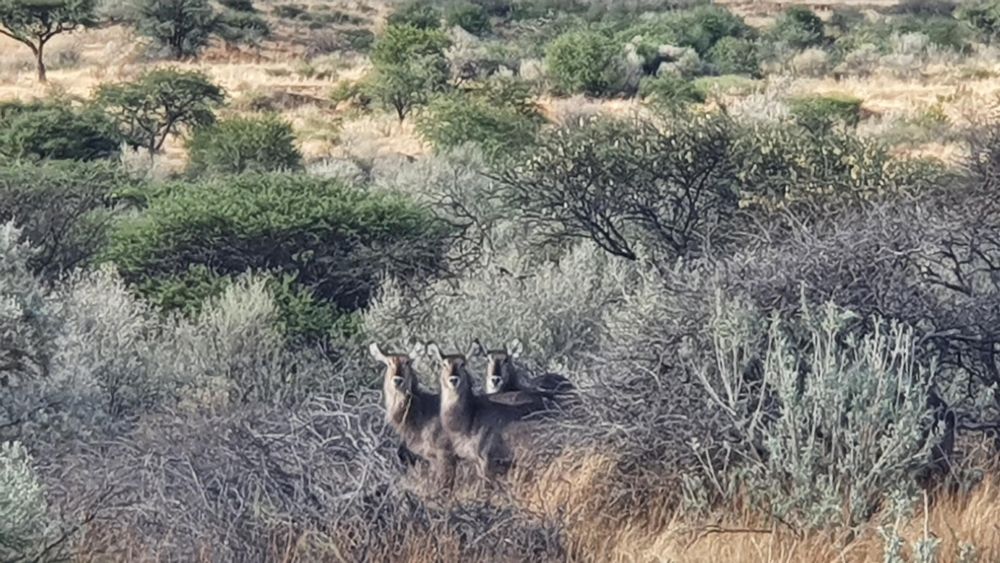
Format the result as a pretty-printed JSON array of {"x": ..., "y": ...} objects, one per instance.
[{"x": 460, "y": 423}]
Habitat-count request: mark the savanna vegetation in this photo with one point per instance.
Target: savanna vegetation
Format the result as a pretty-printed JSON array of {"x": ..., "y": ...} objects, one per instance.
[{"x": 761, "y": 246}]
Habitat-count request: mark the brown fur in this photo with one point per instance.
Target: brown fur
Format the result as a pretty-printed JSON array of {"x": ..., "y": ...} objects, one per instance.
[
  {"x": 503, "y": 376},
  {"x": 476, "y": 424},
  {"x": 414, "y": 413}
]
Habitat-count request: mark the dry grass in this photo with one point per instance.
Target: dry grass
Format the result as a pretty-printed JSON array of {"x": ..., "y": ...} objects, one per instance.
[
  {"x": 583, "y": 491},
  {"x": 114, "y": 53}
]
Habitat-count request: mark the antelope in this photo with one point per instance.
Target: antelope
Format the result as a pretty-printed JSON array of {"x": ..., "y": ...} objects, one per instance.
[
  {"x": 414, "y": 413},
  {"x": 475, "y": 423},
  {"x": 502, "y": 375}
]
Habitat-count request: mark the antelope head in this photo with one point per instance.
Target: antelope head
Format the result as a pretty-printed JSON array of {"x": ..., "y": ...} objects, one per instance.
[
  {"x": 399, "y": 378},
  {"x": 455, "y": 378},
  {"x": 500, "y": 365}
]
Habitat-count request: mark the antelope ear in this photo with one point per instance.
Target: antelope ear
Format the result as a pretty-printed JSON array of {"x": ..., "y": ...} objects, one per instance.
[
  {"x": 476, "y": 348},
  {"x": 376, "y": 353},
  {"x": 515, "y": 348},
  {"x": 434, "y": 352},
  {"x": 417, "y": 349}
]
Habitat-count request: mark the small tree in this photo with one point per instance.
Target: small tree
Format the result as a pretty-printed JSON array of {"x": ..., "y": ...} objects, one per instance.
[
  {"x": 409, "y": 66},
  {"x": 183, "y": 26},
  {"x": 629, "y": 187},
  {"x": 159, "y": 104},
  {"x": 35, "y": 22},
  {"x": 499, "y": 117}
]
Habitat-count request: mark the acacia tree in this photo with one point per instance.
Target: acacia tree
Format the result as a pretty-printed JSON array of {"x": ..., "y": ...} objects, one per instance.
[
  {"x": 409, "y": 67},
  {"x": 35, "y": 22},
  {"x": 626, "y": 185},
  {"x": 183, "y": 26},
  {"x": 159, "y": 104}
]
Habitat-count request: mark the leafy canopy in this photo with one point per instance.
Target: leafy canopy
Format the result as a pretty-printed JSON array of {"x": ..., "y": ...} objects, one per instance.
[
  {"x": 410, "y": 66},
  {"x": 585, "y": 62},
  {"x": 54, "y": 130},
  {"x": 159, "y": 104},
  {"x": 335, "y": 239},
  {"x": 62, "y": 207},
  {"x": 182, "y": 26},
  {"x": 34, "y": 22}
]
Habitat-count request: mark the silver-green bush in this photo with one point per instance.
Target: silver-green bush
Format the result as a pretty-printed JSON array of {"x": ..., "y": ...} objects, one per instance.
[
  {"x": 830, "y": 419},
  {"x": 24, "y": 522}
]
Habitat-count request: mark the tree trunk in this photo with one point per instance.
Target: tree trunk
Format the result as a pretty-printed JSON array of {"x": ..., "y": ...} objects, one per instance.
[{"x": 41, "y": 63}]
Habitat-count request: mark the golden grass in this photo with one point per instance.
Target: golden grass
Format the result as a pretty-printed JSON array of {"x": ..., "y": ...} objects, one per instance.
[
  {"x": 579, "y": 489},
  {"x": 115, "y": 53}
]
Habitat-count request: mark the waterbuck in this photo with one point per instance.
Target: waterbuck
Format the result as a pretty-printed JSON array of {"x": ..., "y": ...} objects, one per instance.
[
  {"x": 414, "y": 413},
  {"x": 502, "y": 375},
  {"x": 475, "y": 424}
]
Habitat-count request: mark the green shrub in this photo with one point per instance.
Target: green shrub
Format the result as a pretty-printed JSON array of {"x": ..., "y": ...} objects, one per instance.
[
  {"x": 242, "y": 28},
  {"x": 360, "y": 40},
  {"x": 821, "y": 113},
  {"x": 243, "y": 144},
  {"x": 56, "y": 131},
  {"x": 185, "y": 291},
  {"x": 784, "y": 167},
  {"x": 983, "y": 16},
  {"x": 845, "y": 20},
  {"x": 400, "y": 44},
  {"x": 335, "y": 239},
  {"x": 302, "y": 316},
  {"x": 699, "y": 28},
  {"x": 496, "y": 8},
  {"x": 926, "y": 7},
  {"x": 239, "y": 5},
  {"x": 633, "y": 189},
  {"x": 942, "y": 31},
  {"x": 670, "y": 91},
  {"x": 734, "y": 55},
  {"x": 24, "y": 520},
  {"x": 499, "y": 117},
  {"x": 704, "y": 26},
  {"x": 418, "y": 14},
  {"x": 799, "y": 28},
  {"x": 585, "y": 62},
  {"x": 288, "y": 11},
  {"x": 863, "y": 392},
  {"x": 62, "y": 208},
  {"x": 470, "y": 17}
]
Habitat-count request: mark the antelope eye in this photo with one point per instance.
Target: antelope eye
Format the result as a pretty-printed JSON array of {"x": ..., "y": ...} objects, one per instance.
[
  {"x": 397, "y": 381},
  {"x": 453, "y": 380}
]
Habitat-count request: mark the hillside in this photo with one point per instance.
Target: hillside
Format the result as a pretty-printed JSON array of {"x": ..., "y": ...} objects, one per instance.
[{"x": 500, "y": 280}]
